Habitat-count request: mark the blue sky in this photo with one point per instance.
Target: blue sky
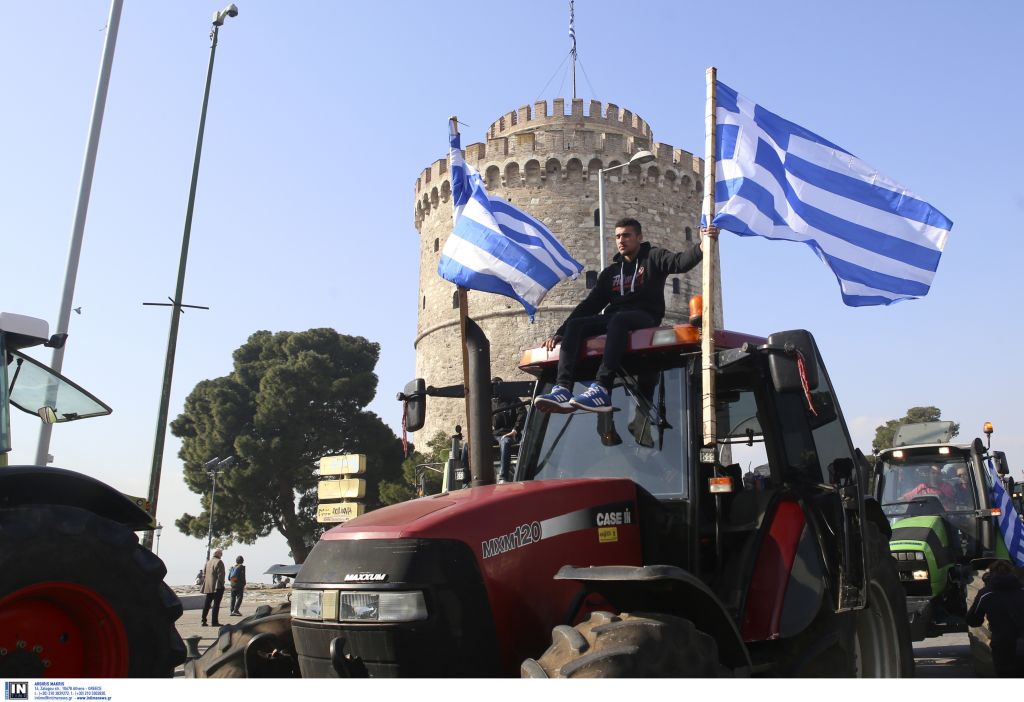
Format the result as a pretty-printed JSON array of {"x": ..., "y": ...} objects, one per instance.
[{"x": 319, "y": 124}]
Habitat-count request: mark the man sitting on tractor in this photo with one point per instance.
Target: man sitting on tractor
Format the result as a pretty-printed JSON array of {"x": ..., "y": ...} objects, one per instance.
[{"x": 933, "y": 484}]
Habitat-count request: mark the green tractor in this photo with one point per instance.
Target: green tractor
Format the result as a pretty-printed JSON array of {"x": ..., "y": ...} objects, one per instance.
[
  {"x": 937, "y": 497},
  {"x": 79, "y": 596}
]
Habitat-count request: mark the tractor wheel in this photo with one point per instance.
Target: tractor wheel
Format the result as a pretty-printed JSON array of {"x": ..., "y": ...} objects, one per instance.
[
  {"x": 870, "y": 643},
  {"x": 259, "y": 646},
  {"x": 979, "y": 636},
  {"x": 628, "y": 646},
  {"x": 79, "y": 597},
  {"x": 882, "y": 646}
]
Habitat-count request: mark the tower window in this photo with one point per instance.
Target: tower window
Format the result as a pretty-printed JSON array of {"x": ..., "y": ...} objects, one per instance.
[
  {"x": 597, "y": 218},
  {"x": 689, "y": 234},
  {"x": 675, "y": 286},
  {"x": 437, "y": 244},
  {"x": 424, "y": 302},
  {"x": 591, "y": 279},
  {"x": 455, "y": 300}
]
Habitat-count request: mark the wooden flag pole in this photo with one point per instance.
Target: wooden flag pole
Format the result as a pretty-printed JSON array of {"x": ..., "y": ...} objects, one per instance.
[
  {"x": 709, "y": 265},
  {"x": 463, "y": 294}
]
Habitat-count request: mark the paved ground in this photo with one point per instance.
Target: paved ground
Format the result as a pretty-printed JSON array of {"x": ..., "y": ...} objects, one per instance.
[
  {"x": 947, "y": 656},
  {"x": 192, "y": 601}
]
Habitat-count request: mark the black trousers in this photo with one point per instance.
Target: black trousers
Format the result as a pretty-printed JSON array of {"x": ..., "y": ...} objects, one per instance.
[
  {"x": 236, "y": 599},
  {"x": 213, "y": 599},
  {"x": 615, "y": 326}
]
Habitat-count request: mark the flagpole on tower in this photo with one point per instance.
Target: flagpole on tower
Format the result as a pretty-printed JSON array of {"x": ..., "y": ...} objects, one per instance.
[
  {"x": 709, "y": 265},
  {"x": 572, "y": 51}
]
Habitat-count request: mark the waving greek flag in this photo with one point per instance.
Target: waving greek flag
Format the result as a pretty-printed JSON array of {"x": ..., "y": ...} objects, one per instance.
[
  {"x": 780, "y": 181},
  {"x": 1010, "y": 525},
  {"x": 495, "y": 247}
]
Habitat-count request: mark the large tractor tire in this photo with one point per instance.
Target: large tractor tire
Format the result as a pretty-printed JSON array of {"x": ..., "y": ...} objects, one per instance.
[
  {"x": 979, "y": 636},
  {"x": 882, "y": 644},
  {"x": 870, "y": 643},
  {"x": 79, "y": 597},
  {"x": 259, "y": 646},
  {"x": 628, "y": 646}
]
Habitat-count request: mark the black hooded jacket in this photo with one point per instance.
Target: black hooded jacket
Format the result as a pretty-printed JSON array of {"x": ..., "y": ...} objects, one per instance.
[
  {"x": 1002, "y": 601},
  {"x": 639, "y": 285}
]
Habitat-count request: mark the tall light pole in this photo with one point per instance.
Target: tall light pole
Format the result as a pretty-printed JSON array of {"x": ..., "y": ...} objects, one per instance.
[
  {"x": 640, "y": 157},
  {"x": 214, "y": 467},
  {"x": 172, "y": 340},
  {"x": 78, "y": 228}
]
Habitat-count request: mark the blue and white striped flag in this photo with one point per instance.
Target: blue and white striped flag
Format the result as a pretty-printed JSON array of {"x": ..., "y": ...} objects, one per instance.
[
  {"x": 1010, "y": 525},
  {"x": 496, "y": 247},
  {"x": 778, "y": 180}
]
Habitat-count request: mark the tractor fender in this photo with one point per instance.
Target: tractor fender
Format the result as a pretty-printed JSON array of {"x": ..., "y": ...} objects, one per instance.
[
  {"x": 35, "y": 485},
  {"x": 669, "y": 590}
]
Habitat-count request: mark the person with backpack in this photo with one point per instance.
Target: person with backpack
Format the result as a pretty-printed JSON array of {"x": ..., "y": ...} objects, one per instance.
[
  {"x": 236, "y": 576},
  {"x": 1001, "y": 601}
]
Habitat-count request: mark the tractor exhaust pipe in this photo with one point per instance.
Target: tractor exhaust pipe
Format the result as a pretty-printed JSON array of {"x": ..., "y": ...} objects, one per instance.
[{"x": 481, "y": 462}]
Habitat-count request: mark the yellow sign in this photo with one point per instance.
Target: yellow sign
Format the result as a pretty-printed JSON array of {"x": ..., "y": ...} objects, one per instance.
[
  {"x": 345, "y": 464},
  {"x": 338, "y": 511},
  {"x": 352, "y": 488},
  {"x": 607, "y": 534},
  {"x": 143, "y": 503}
]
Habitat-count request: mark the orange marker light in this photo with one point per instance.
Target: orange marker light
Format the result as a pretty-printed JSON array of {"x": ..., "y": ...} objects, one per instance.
[
  {"x": 723, "y": 484},
  {"x": 987, "y": 427},
  {"x": 696, "y": 310}
]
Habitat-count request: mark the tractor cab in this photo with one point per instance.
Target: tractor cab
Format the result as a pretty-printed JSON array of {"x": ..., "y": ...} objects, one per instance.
[
  {"x": 937, "y": 497},
  {"x": 32, "y": 387}
]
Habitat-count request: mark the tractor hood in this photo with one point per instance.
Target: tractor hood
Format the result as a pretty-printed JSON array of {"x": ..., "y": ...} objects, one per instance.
[
  {"x": 919, "y": 542},
  {"x": 507, "y": 516}
]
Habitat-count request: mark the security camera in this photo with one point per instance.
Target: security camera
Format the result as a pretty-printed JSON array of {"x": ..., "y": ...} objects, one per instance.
[{"x": 231, "y": 10}]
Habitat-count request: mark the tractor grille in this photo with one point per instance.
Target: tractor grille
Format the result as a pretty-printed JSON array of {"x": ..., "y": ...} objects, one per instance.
[
  {"x": 907, "y": 564},
  {"x": 457, "y": 638}
]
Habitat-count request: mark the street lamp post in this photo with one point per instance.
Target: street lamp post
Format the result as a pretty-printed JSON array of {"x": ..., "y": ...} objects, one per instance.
[
  {"x": 214, "y": 467},
  {"x": 172, "y": 340},
  {"x": 640, "y": 157}
]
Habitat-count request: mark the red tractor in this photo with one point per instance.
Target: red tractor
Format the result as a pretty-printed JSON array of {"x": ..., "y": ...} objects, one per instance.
[{"x": 640, "y": 553}]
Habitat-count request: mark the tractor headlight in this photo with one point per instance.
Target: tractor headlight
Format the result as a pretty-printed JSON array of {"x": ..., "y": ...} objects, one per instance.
[
  {"x": 307, "y": 604},
  {"x": 920, "y": 575},
  {"x": 382, "y": 607}
]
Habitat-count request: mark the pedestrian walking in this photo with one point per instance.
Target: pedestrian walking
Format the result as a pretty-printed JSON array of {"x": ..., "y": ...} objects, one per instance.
[
  {"x": 213, "y": 587},
  {"x": 236, "y": 577}
]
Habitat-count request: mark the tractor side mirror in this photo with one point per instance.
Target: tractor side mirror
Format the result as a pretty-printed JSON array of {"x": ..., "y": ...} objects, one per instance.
[
  {"x": 999, "y": 458},
  {"x": 47, "y": 414},
  {"x": 415, "y": 397},
  {"x": 783, "y": 364}
]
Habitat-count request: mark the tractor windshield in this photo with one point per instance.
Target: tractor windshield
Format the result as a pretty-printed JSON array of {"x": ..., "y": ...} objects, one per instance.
[
  {"x": 644, "y": 439},
  {"x": 931, "y": 483},
  {"x": 32, "y": 387},
  {"x": 937, "y": 482}
]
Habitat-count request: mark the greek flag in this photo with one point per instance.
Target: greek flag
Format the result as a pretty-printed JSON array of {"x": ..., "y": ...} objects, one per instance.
[
  {"x": 495, "y": 247},
  {"x": 572, "y": 28},
  {"x": 778, "y": 180},
  {"x": 1010, "y": 524}
]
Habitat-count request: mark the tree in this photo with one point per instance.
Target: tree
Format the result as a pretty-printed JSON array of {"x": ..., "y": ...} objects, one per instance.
[
  {"x": 417, "y": 465},
  {"x": 885, "y": 433},
  {"x": 291, "y": 398}
]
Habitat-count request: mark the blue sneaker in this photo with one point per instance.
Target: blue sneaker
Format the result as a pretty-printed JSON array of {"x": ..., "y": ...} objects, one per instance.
[
  {"x": 555, "y": 401},
  {"x": 593, "y": 399}
]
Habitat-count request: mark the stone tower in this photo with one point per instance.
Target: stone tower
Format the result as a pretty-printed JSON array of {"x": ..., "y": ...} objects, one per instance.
[{"x": 547, "y": 164}]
